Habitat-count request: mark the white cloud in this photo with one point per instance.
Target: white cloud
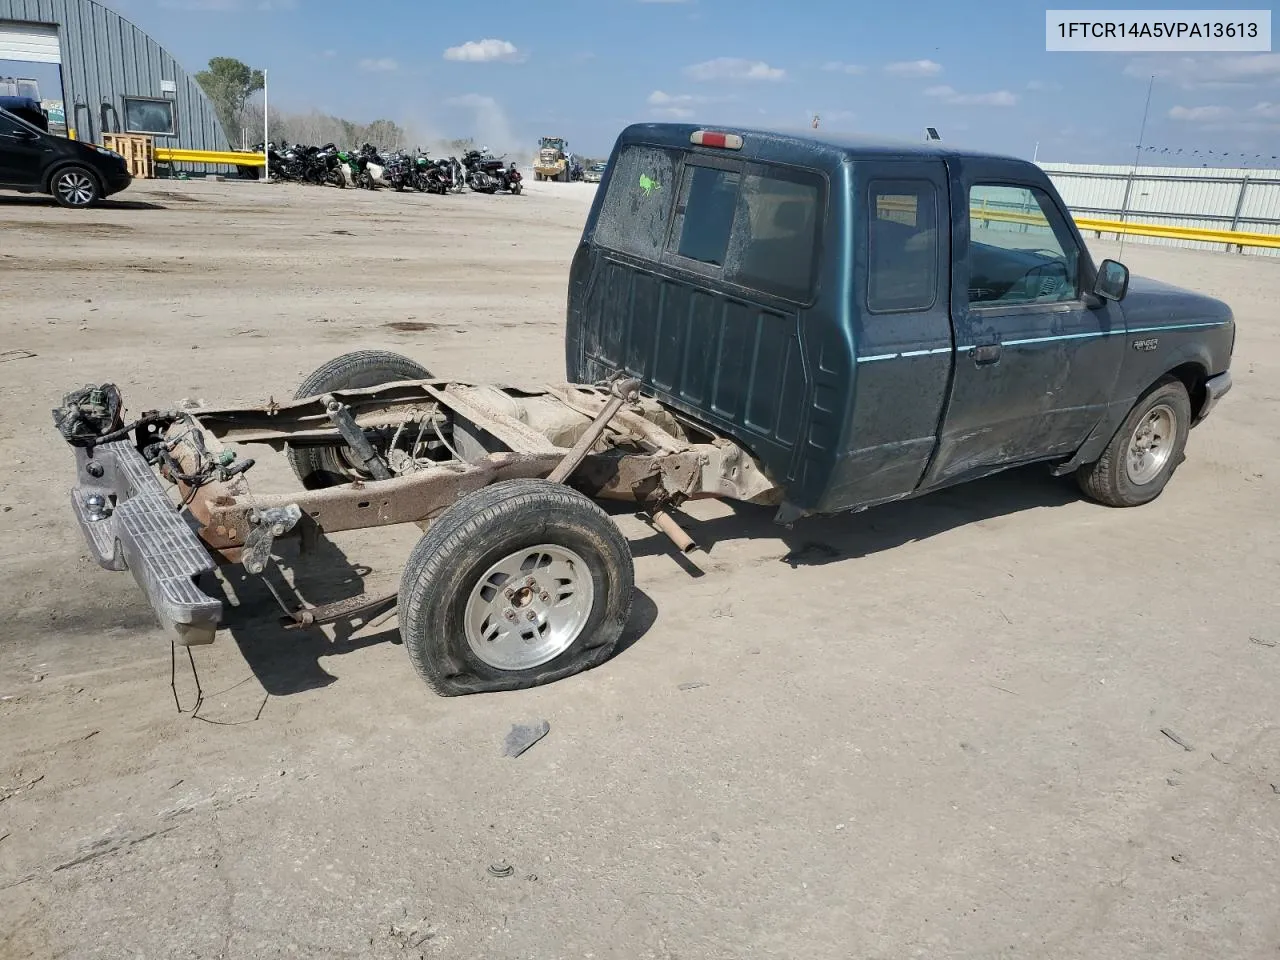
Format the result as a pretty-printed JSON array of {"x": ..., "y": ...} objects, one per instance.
[
  {"x": 329, "y": 54},
  {"x": 660, "y": 99},
  {"x": 1209, "y": 114},
  {"x": 835, "y": 66},
  {"x": 734, "y": 68},
  {"x": 913, "y": 68},
  {"x": 1044, "y": 86},
  {"x": 996, "y": 98},
  {"x": 379, "y": 65},
  {"x": 1210, "y": 71},
  {"x": 663, "y": 1},
  {"x": 484, "y": 51},
  {"x": 673, "y": 113},
  {"x": 1266, "y": 110}
]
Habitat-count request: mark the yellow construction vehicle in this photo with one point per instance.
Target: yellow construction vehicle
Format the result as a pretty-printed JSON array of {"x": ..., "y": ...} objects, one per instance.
[{"x": 552, "y": 162}]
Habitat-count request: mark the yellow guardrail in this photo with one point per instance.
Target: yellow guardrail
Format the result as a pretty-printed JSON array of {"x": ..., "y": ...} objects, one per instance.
[
  {"x": 222, "y": 157},
  {"x": 1241, "y": 238}
]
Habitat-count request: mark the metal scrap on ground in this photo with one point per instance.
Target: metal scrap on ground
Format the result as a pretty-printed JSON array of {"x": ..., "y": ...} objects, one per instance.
[{"x": 524, "y": 736}]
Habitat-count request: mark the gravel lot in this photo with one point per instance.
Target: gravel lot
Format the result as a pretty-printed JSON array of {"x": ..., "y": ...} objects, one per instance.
[{"x": 931, "y": 730}]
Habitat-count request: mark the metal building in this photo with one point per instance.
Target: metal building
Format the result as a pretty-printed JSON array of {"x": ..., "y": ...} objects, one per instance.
[
  {"x": 1215, "y": 198},
  {"x": 115, "y": 78}
]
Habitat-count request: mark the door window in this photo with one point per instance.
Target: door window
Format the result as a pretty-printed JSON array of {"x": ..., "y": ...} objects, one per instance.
[
  {"x": 1020, "y": 251},
  {"x": 902, "y": 246}
]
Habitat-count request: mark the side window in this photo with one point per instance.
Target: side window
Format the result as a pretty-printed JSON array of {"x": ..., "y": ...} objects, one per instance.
[
  {"x": 633, "y": 217},
  {"x": 776, "y": 235},
  {"x": 759, "y": 226},
  {"x": 7, "y": 126},
  {"x": 704, "y": 214},
  {"x": 902, "y": 246},
  {"x": 1019, "y": 249}
]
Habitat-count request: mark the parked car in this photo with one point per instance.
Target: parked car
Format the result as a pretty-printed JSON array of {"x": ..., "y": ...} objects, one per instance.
[
  {"x": 76, "y": 174},
  {"x": 594, "y": 173}
]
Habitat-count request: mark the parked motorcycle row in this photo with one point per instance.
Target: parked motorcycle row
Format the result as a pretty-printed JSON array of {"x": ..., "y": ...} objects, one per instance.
[{"x": 368, "y": 169}]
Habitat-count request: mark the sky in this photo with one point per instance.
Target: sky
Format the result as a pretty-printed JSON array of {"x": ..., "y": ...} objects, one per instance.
[{"x": 506, "y": 73}]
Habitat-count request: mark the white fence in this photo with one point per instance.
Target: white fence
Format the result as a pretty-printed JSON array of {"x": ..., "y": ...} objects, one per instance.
[{"x": 1205, "y": 197}]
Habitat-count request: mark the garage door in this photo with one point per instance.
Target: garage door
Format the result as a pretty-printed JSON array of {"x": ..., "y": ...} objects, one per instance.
[{"x": 33, "y": 42}]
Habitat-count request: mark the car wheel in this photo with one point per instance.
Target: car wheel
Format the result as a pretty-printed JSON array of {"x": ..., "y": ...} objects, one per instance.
[
  {"x": 321, "y": 467},
  {"x": 1145, "y": 451},
  {"x": 516, "y": 585},
  {"x": 75, "y": 187}
]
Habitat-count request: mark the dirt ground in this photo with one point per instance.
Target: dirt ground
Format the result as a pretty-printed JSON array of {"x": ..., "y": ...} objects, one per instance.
[{"x": 931, "y": 730}]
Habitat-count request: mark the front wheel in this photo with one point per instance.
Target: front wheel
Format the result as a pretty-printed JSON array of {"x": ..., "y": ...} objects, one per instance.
[
  {"x": 516, "y": 188},
  {"x": 516, "y": 585},
  {"x": 1145, "y": 451},
  {"x": 75, "y": 187}
]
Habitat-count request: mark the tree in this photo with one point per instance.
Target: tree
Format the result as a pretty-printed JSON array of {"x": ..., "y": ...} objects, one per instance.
[{"x": 229, "y": 83}]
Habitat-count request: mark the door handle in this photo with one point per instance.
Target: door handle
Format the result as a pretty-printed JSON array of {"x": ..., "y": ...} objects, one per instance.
[{"x": 987, "y": 353}]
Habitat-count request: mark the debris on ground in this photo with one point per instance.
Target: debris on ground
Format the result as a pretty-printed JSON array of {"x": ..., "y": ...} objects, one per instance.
[
  {"x": 1178, "y": 858},
  {"x": 15, "y": 355},
  {"x": 6, "y": 794},
  {"x": 524, "y": 736},
  {"x": 1177, "y": 739},
  {"x": 692, "y": 685},
  {"x": 1264, "y": 642},
  {"x": 501, "y": 869}
]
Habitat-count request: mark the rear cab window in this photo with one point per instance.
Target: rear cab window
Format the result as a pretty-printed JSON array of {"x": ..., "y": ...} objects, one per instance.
[{"x": 750, "y": 224}]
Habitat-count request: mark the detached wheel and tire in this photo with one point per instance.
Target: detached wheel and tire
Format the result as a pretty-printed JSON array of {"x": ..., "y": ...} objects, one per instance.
[
  {"x": 1145, "y": 451},
  {"x": 516, "y": 585},
  {"x": 75, "y": 187},
  {"x": 320, "y": 467}
]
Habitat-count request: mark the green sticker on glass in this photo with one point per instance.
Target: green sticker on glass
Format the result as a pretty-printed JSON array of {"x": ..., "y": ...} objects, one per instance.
[{"x": 648, "y": 184}]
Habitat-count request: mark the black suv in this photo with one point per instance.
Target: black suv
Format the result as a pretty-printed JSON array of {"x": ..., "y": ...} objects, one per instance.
[{"x": 77, "y": 174}]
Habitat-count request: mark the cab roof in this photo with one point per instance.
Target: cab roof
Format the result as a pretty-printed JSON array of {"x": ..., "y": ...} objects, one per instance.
[{"x": 773, "y": 144}]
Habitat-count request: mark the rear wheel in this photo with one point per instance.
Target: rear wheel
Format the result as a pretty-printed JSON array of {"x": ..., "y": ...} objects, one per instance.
[
  {"x": 75, "y": 187},
  {"x": 516, "y": 585},
  {"x": 320, "y": 467},
  {"x": 1145, "y": 451}
]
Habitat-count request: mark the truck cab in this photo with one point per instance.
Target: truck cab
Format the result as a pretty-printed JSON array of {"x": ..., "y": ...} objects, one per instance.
[{"x": 874, "y": 320}]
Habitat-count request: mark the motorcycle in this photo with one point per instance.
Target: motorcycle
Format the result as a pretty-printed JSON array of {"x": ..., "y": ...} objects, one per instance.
[
  {"x": 488, "y": 174},
  {"x": 398, "y": 171}
]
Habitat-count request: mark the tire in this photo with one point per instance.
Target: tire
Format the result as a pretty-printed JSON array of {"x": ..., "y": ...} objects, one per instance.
[
  {"x": 320, "y": 467},
  {"x": 75, "y": 187},
  {"x": 1160, "y": 421},
  {"x": 551, "y": 528}
]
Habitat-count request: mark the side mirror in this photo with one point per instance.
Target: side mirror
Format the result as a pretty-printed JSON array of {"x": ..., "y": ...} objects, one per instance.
[{"x": 1112, "y": 282}]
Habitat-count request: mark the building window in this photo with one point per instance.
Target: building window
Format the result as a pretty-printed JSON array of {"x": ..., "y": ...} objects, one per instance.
[{"x": 149, "y": 115}]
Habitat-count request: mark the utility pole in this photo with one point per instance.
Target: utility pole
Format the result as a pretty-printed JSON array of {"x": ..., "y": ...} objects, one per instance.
[{"x": 266, "y": 137}]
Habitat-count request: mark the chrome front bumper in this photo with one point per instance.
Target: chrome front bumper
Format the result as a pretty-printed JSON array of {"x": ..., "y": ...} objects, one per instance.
[
  {"x": 131, "y": 524},
  {"x": 1215, "y": 388}
]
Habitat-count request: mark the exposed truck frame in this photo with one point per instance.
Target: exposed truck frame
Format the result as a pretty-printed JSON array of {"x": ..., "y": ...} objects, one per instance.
[{"x": 603, "y": 442}]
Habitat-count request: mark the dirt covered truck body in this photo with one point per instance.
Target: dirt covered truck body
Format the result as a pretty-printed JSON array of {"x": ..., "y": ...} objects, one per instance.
[
  {"x": 872, "y": 320},
  {"x": 809, "y": 325}
]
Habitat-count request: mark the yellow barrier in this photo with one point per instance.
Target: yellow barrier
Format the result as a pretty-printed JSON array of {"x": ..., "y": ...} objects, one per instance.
[
  {"x": 222, "y": 157},
  {"x": 1240, "y": 238}
]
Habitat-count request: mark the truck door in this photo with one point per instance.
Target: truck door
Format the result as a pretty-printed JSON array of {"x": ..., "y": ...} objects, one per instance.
[
  {"x": 1035, "y": 365},
  {"x": 902, "y": 328}
]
